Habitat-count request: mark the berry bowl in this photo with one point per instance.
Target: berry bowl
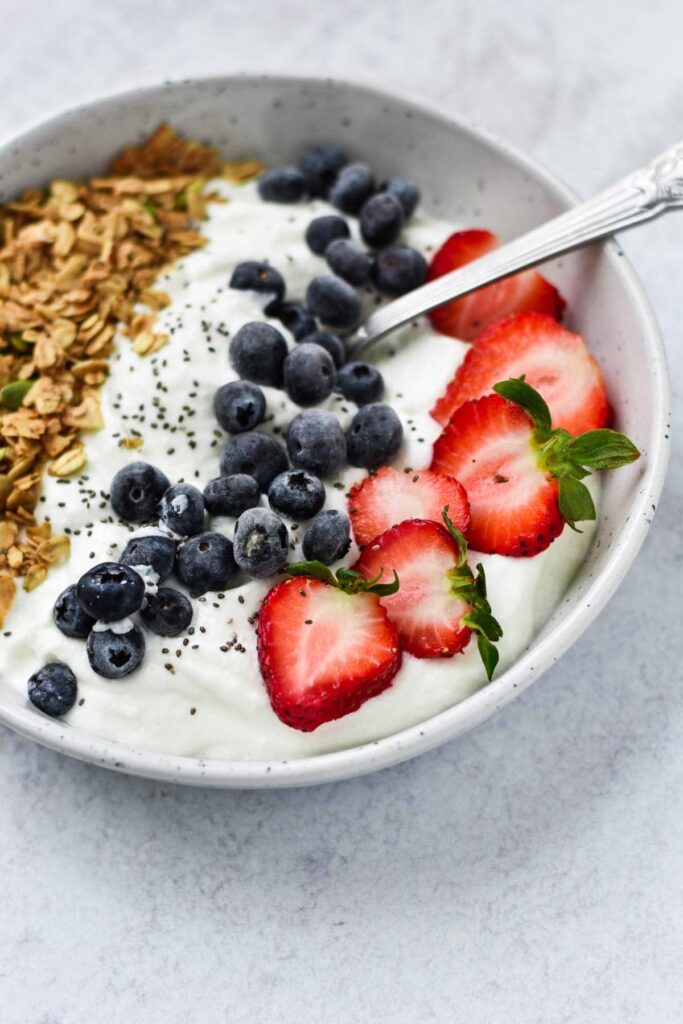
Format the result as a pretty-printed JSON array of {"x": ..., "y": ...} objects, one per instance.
[{"x": 465, "y": 177}]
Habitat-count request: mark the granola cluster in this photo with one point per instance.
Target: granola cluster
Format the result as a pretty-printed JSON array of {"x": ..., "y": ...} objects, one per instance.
[{"x": 76, "y": 262}]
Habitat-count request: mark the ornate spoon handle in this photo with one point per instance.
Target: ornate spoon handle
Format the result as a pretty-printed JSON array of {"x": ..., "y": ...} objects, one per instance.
[{"x": 644, "y": 194}]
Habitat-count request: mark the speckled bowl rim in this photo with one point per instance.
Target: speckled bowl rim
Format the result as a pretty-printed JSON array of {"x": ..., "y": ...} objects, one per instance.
[{"x": 417, "y": 739}]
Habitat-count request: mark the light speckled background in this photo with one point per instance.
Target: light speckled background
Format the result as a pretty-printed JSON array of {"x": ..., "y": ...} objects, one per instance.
[{"x": 530, "y": 872}]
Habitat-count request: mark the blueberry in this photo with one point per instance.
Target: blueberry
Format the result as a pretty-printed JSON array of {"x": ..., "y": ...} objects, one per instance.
[
  {"x": 115, "y": 655},
  {"x": 261, "y": 542},
  {"x": 360, "y": 383},
  {"x": 110, "y": 591},
  {"x": 239, "y": 405},
  {"x": 206, "y": 562},
  {"x": 309, "y": 374},
  {"x": 349, "y": 261},
  {"x": 323, "y": 230},
  {"x": 355, "y": 184},
  {"x": 407, "y": 193},
  {"x": 320, "y": 166},
  {"x": 231, "y": 495},
  {"x": 328, "y": 538},
  {"x": 257, "y": 352},
  {"x": 398, "y": 269},
  {"x": 167, "y": 613},
  {"x": 374, "y": 437},
  {"x": 181, "y": 509},
  {"x": 282, "y": 185},
  {"x": 154, "y": 552},
  {"x": 254, "y": 276},
  {"x": 381, "y": 220},
  {"x": 295, "y": 318},
  {"x": 258, "y": 455},
  {"x": 331, "y": 343},
  {"x": 70, "y": 617},
  {"x": 315, "y": 441},
  {"x": 52, "y": 689},
  {"x": 333, "y": 301},
  {"x": 136, "y": 490},
  {"x": 297, "y": 494}
]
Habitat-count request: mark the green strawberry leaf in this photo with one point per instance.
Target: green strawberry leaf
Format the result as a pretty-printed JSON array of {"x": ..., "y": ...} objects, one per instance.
[
  {"x": 316, "y": 570},
  {"x": 602, "y": 449},
  {"x": 472, "y": 589},
  {"x": 456, "y": 535},
  {"x": 488, "y": 654},
  {"x": 518, "y": 391},
  {"x": 348, "y": 580},
  {"x": 353, "y": 582},
  {"x": 575, "y": 501},
  {"x": 13, "y": 394}
]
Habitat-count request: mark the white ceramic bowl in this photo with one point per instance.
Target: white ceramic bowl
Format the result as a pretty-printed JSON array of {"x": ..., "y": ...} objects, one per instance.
[{"x": 467, "y": 176}]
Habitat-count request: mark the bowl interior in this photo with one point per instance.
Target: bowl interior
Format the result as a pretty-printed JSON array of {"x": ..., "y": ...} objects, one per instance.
[{"x": 467, "y": 178}]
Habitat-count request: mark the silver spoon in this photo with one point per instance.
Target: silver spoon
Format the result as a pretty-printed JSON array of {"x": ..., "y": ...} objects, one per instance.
[{"x": 644, "y": 194}]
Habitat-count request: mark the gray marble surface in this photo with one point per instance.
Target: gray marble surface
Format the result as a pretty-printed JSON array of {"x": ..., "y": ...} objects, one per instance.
[{"x": 529, "y": 872}]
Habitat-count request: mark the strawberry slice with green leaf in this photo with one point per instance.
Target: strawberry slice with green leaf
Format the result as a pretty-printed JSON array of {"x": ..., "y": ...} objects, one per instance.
[
  {"x": 552, "y": 359},
  {"x": 440, "y": 602},
  {"x": 467, "y": 317},
  {"x": 390, "y": 496},
  {"x": 523, "y": 478},
  {"x": 325, "y": 644}
]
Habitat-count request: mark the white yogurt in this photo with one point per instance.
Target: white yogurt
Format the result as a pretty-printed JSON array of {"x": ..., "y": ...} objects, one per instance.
[{"x": 202, "y": 694}]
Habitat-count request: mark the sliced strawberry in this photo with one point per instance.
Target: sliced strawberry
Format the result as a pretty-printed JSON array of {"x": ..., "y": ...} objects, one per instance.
[
  {"x": 552, "y": 359},
  {"x": 426, "y": 612},
  {"x": 467, "y": 317},
  {"x": 488, "y": 446},
  {"x": 391, "y": 496},
  {"x": 323, "y": 652}
]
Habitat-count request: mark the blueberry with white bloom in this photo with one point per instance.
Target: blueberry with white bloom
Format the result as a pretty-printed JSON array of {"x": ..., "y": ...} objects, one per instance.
[
  {"x": 52, "y": 689},
  {"x": 334, "y": 302},
  {"x": 348, "y": 261},
  {"x": 316, "y": 442},
  {"x": 115, "y": 654},
  {"x": 374, "y": 437},
  {"x": 110, "y": 591},
  {"x": 309, "y": 374},
  {"x": 206, "y": 562},
  {"x": 259, "y": 277},
  {"x": 136, "y": 490},
  {"x": 69, "y": 615},
  {"x": 261, "y": 542},
  {"x": 239, "y": 406},
  {"x": 320, "y": 166},
  {"x": 167, "y": 613},
  {"x": 328, "y": 538},
  {"x": 282, "y": 185},
  {"x": 381, "y": 220},
  {"x": 407, "y": 193},
  {"x": 296, "y": 318},
  {"x": 325, "y": 229},
  {"x": 181, "y": 509},
  {"x": 297, "y": 494},
  {"x": 399, "y": 269},
  {"x": 257, "y": 352},
  {"x": 258, "y": 455},
  {"x": 361, "y": 383},
  {"x": 153, "y": 552},
  {"x": 331, "y": 343},
  {"x": 354, "y": 184},
  {"x": 231, "y": 495}
]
